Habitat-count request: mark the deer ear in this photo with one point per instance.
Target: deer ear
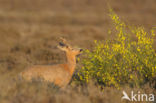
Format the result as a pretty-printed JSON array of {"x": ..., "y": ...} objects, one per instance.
[
  {"x": 64, "y": 41},
  {"x": 61, "y": 44}
]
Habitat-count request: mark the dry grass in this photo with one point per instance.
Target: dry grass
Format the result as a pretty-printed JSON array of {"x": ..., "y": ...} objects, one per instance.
[
  {"x": 37, "y": 92},
  {"x": 28, "y": 35}
]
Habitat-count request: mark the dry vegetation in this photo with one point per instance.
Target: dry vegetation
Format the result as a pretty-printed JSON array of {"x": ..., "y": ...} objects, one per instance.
[{"x": 28, "y": 35}]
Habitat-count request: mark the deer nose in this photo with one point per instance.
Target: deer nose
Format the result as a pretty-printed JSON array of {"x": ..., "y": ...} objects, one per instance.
[{"x": 81, "y": 50}]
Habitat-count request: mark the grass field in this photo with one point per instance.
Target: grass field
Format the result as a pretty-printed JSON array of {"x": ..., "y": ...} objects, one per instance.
[{"x": 29, "y": 32}]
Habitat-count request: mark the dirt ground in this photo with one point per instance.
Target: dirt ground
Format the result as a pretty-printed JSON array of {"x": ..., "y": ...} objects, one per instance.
[{"x": 29, "y": 32}]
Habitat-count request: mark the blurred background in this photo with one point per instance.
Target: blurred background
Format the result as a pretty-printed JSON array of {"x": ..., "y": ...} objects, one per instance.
[
  {"x": 40, "y": 22},
  {"x": 78, "y": 20},
  {"x": 29, "y": 30}
]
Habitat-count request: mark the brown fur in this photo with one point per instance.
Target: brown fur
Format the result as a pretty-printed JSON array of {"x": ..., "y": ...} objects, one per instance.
[{"x": 59, "y": 74}]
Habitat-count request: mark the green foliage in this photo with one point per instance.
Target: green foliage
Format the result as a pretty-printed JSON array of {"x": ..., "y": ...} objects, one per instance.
[{"x": 123, "y": 60}]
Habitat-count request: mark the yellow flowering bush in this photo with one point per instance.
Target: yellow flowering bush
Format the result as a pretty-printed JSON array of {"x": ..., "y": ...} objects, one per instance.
[{"x": 123, "y": 60}]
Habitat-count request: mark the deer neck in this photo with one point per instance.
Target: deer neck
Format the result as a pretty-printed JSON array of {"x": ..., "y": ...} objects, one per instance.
[{"x": 71, "y": 62}]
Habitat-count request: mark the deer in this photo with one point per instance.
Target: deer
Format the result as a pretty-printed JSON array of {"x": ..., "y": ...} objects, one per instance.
[{"x": 59, "y": 74}]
